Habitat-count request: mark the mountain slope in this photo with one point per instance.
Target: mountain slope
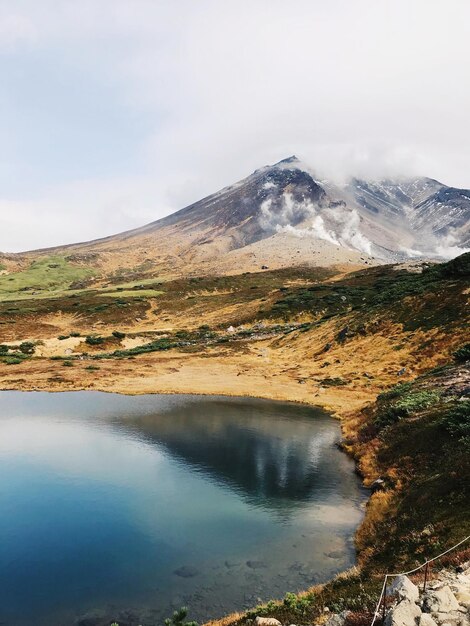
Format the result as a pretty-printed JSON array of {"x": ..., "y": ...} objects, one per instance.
[
  {"x": 282, "y": 215},
  {"x": 436, "y": 216}
]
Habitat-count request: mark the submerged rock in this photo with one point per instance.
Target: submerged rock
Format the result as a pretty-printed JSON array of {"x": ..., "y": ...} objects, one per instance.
[{"x": 186, "y": 571}]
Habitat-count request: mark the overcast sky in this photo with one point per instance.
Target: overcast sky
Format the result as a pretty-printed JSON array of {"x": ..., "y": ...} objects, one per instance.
[{"x": 114, "y": 113}]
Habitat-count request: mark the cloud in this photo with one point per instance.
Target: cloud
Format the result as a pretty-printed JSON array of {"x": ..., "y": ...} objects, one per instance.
[
  {"x": 16, "y": 31},
  {"x": 185, "y": 98},
  {"x": 340, "y": 225},
  {"x": 446, "y": 248}
]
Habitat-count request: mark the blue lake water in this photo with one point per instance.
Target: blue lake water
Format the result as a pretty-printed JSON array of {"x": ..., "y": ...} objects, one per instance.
[{"x": 125, "y": 508}]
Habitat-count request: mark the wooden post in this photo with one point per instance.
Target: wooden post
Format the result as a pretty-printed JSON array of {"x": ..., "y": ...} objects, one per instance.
[
  {"x": 425, "y": 576},
  {"x": 384, "y": 601}
]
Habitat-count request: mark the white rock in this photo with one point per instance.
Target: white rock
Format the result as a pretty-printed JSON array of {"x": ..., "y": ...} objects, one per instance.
[
  {"x": 463, "y": 598},
  {"x": 444, "y": 618},
  {"x": 267, "y": 621},
  {"x": 440, "y": 601},
  {"x": 337, "y": 619},
  {"x": 405, "y": 613},
  {"x": 426, "y": 620},
  {"x": 404, "y": 589}
]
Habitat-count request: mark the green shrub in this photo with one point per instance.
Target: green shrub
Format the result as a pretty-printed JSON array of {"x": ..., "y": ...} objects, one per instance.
[
  {"x": 94, "y": 340},
  {"x": 334, "y": 382},
  {"x": 62, "y": 337},
  {"x": 460, "y": 266},
  {"x": 118, "y": 334},
  {"x": 27, "y": 347},
  {"x": 12, "y": 360},
  {"x": 395, "y": 392},
  {"x": 4, "y": 348},
  {"x": 405, "y": 405},
  {"x": 457, "y": 421},
  {"x": 182, "y": 334},
  {"x": 68, "y": 363},
  {"x": 298, "y": 604},
  {"x": 178, "y": 618},
  {"x": 154, "y": 346},
  {"x": 92, "y": 368},
  {"x": 462, "y": 354},
  {"x": 75, "y": 334},
  {"x": 263, "y": 609}
]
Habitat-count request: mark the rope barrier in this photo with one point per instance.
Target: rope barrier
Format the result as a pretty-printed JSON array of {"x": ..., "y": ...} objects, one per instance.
[{"x": 411, "y": 571}]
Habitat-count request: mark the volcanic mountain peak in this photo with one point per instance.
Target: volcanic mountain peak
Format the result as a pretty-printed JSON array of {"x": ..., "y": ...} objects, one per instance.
[{"x": 282, "y": 214}]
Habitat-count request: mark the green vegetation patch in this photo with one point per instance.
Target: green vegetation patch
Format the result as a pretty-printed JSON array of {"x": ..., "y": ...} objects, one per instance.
[
  {"x": 404, "y": 404},
  {"x": 457, "y": 422},
  {"x": 424, "y": 300},
  {"x": 48, "y": 274},
  {"x": 462, "y": 354}
]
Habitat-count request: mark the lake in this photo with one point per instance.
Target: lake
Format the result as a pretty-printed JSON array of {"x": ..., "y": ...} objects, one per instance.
[{"x": 128, "y": 507}]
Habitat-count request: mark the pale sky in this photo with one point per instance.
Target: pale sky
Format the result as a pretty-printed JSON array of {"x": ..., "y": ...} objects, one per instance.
[{"x": 114, "y": 113}]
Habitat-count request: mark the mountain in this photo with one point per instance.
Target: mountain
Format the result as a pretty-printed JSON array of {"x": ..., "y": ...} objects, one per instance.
[
  {"x": 284, "y": 215},
  {"x": 435, "y": 215}
]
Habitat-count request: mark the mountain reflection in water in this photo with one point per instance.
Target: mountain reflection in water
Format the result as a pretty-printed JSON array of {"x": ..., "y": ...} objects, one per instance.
[{"x": 253, "y": 447}]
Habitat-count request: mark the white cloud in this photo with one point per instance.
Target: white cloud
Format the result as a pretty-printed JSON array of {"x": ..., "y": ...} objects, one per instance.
[{"x": 16, "y": 31}]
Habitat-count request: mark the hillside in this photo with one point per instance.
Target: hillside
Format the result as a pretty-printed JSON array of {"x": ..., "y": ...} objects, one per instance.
[{"x": 356, "y": 331}]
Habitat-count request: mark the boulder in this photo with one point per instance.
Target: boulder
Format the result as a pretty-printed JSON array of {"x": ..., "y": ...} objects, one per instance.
[
  {"x": 337, "y": 619},
  {"x": 404, "y": 589},
  {"x": 267, "y": 621},
  {"x": 452, "y": 619},
  {"x": 440, "y": 601},
  {"x": 378, "y": 485},
  {"x": 405, "y": 613},
  {"x": 426, "y": 620},
  {"x": 463, "y": 598}
]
